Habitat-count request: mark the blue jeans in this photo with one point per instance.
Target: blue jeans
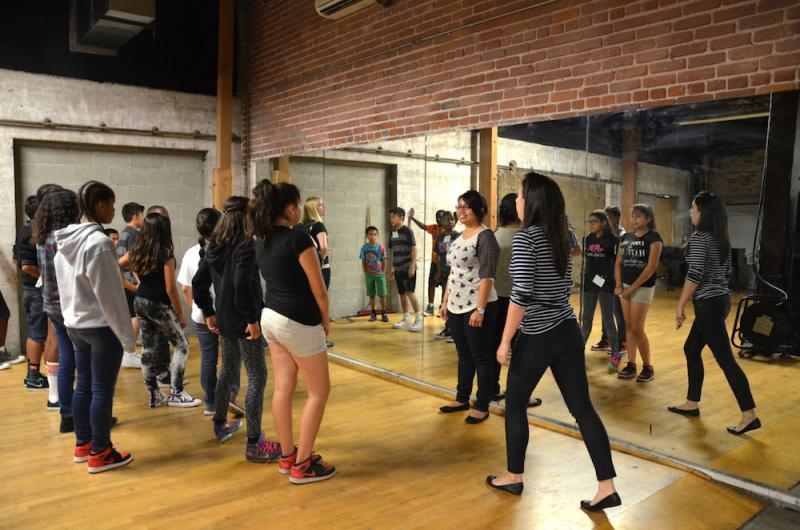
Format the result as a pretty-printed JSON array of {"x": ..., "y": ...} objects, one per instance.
[
  {"x": 66, "y": 365},
  {"x": 98, "y": 355},
  {"x": 209, "y": 355}
]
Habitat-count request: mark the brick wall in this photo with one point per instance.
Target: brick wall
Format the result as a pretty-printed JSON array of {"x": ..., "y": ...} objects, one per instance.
[
  {"x": 432, "y": 65},
  {"x": 737, "y": 176}
]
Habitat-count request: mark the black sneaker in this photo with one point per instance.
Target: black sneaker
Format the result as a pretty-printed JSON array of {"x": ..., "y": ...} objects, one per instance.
[
  {"x": 647, "y": 374},
  {"x": 603, "y": 345},
  {"x": 313, "y": 469},
  {"x": 36, "y": 381},
  {"x": 384, "y": 318},
  {"x": 66, "y": 424},
  {"x": 629, "y": 372},
  {"x": 52, "y": 406},
  {"x": 373, "y": 317}
]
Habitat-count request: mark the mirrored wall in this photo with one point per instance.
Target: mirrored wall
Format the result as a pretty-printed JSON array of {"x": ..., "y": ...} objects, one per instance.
[{"x": 671, "y": 153}]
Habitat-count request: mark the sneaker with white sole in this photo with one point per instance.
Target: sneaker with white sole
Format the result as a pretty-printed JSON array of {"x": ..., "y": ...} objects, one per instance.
[
  {"x": 312, "y": 469},
  {"x": 209, "y": 410},
  {"x": 130, "y": 360},
  {"x": 10, "y": 358},
  {"x": 182, "y": 399},
  {"x": 157, "y": 398},
  {"x": 107, "y": 460},
  {"x": 403, "y": 324},
  {"x": 416, "y": 326},
  {"x": 4, "y": 366},
  {"x": 53, "y": 406}
]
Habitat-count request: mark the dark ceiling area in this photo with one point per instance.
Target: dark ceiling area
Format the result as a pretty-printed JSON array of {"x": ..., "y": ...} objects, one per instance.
[
  {"x": 664, "y": 137},
  {"x": 177, "y": 52}
]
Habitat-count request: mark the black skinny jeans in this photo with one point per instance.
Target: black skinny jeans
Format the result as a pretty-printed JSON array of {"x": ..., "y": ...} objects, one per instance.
[
  {"x": 708, "y": 329},
  {"x": 474, "y": 346},
  {"x": 560, "y": 349}
]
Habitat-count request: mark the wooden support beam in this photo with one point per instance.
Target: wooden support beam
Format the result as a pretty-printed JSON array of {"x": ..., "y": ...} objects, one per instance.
[
  {"x": 223, "y": 174},
  {"x": 281, "y": 171},
  {"x": 487, "y": 181},
  {"x": 630, "y": 147}
]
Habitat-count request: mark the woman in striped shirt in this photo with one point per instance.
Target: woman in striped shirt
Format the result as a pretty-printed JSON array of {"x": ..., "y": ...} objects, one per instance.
[
  {"x": 541, "y": 269},
  {"x": 709, "y": 261}
]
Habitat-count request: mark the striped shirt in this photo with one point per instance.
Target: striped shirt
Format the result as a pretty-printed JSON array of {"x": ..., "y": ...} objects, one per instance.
[
  {"x": 538, "y": 287},
  {"x": 705, "y": 269},
  {"x": 400, "y": 244}
]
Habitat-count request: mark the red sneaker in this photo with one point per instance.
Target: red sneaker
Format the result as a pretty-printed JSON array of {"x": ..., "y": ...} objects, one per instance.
[
  {"x": 108, "y": 459},
  {"x": 286, "y": 462},
  {"x": 82, "y": 452},
  {"x": 312, "y": 469}
]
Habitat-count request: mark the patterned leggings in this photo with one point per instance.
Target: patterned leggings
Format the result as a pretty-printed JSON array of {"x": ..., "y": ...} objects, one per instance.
[
  {"x": 251, "y": 353},
  {"x": 156, "y": 320}
]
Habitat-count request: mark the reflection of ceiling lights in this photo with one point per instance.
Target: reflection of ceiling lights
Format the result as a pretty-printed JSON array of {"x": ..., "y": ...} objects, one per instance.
[{"x": 724, "y": 118}]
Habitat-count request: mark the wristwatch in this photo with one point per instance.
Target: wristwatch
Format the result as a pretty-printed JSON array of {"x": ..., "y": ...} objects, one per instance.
[{"x": 481, "y": 311}]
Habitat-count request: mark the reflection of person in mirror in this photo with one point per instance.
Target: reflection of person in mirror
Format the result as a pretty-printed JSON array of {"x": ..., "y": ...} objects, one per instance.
[
  {"x": 434, "y": 230},
  {"x": 634, "y": 283},
  {"x": 603, "y": 344},
  {"x": 403, "y": 266},
  {"x": 372, "y": 256},
  {"x": 470, "y": 305},
  {"x": 709, "y": 261},
  {"x": 443, "y": 243},
  {"x": 313, "y": 214},
  {"x": 549, "y": 337}
]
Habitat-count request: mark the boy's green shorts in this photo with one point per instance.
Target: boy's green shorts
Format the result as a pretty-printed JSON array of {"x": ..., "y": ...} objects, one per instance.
[{"x": 376, "y": 284}]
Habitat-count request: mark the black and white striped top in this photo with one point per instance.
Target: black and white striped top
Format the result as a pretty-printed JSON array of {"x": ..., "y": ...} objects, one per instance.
[
  {"x": 538, "y": 287},
  {"x": 705, "y": 269}
]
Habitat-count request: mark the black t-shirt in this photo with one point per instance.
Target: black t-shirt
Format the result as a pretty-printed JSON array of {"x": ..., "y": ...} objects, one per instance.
[
  {"x": 153, "y": 286},
  {"x": 636, "y": 254},
  {"x": 600, "y": 254},
  {"x": 288, "y": 291},
  {"x": 314, "y": 230},
  {"x": 25, "y": 254}
]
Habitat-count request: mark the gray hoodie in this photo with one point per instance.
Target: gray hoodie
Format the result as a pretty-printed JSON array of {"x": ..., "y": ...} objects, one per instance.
[{"x": 90, "y": 282}]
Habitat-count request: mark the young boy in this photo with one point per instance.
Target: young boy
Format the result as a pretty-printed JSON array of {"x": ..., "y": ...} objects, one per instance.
[
  {"x": 403, "y": 265},
  {"x": 133, "y": 214},
  {"x": 434, "y": 230},
  {"x": 25, "y": 257},
  {"x": 372, "y": 256},
  {"x": 113, "y": 235},
  {"x": 443, "y": 243}
]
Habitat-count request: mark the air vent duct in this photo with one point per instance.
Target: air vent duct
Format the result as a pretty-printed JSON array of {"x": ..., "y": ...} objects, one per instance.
[
  {"x": 103, "y": 26},
  {"x": 336, "y": 9}
]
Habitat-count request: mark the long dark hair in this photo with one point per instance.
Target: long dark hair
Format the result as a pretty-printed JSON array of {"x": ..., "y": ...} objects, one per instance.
[
  {"x": 268, "y": 204},
  {"x": 544, "y": 207},
  {"x": 603, "y": 216},
  {"x": 507, "y": 213},
  {"x": 58, "y": 209},
  {"x": 647, "y": 211},
  {"x": 205, "y": 222},
  {"x": 714, "y": 220},
  {"x": 475, "y": 202},
  {"x": 232, "y": 228},
  {"x": 154, "y": 242},
  {"x": 90, "y": 194}
]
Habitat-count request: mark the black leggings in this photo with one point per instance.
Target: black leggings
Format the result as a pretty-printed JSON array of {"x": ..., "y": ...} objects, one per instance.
[
  {"x": 474, "y": 347},
  {"x": 709, "y": 329},
  {"x": 560, "y": 349},
  {"x": 497, "y": 337}
]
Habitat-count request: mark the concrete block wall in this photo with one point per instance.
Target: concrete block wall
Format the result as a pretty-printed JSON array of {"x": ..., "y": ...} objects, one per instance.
[
  {"x": 33, "y": 98},
  {"x": 425, "y": 66}
]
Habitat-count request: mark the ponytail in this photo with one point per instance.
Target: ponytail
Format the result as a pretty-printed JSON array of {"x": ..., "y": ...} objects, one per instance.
[
  {"x": 268, "y": 204},
  {"x": 232, "y": 228},
  {"x": 205, "y": 222},
  {"x": 90, "y": 194}
]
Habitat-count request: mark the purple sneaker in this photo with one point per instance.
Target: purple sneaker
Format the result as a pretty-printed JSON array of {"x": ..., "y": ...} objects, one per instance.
[
  {"x": 224, "y": 431},
  {"x": 613, "y": 363},
  {"x": 263, "y": 451}
]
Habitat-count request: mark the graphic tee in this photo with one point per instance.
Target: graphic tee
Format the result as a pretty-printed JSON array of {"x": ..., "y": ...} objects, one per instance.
[
  {"x": 636, "y": 254},
  {"x": 373, "y": 257}
]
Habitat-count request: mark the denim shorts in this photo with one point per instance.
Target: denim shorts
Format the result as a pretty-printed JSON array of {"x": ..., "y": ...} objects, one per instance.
[{"x": 34, "y": 312}]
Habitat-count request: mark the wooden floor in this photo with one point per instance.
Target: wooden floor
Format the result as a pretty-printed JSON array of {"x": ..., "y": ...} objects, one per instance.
[
  {"x": 632, "y": 411},
  {"x": 400, "y": 465}
]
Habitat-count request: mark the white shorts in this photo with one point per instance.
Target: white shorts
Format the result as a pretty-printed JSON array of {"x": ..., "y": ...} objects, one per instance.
[
  {"x": 299, "y": 339},
  {"x": 642, "y": 295}
]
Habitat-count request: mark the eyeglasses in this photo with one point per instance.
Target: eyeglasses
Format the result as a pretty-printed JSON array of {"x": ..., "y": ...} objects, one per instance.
[
  {"x": 593, "y": 221},
  {"x": 462, "y": 207}
]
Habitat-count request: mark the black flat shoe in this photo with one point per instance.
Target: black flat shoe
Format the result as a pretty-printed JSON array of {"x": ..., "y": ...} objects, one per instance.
[
  {"x": 447, "y": 409},
  {"x": 114, "y": 421},
  {"x": 753, "y": 425},
  {"x": 609, "y": 502},
  {"x": 515, "y": 488},
  {"x": 535, "y": 402},
  {"x": 684, "y": 412},
  {"x": 472, "y": 420},
  {"x": 499, "y": 397}
]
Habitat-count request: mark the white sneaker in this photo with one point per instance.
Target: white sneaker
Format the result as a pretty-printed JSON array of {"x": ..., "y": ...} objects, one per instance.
[
  {"x": 416, "y": 326},
  {"x": 209, "y": 410},
  {"x": 5, "y": 366},
  {"x": 130, "y": 360},
  {"x": 403, "y": 324},
  {"x": 182, "y": 399}
]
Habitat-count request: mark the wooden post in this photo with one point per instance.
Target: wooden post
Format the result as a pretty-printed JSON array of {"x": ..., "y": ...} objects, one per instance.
[
  {"x": 487, "y": 184},
  {"x": 223, "y": 173},
  {"x": 630, "y": 143},
  {"x": 281, "y": 171}
]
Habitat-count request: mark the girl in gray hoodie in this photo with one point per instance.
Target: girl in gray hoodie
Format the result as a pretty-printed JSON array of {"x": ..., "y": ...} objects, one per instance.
[{"x": 96, "y": 316}]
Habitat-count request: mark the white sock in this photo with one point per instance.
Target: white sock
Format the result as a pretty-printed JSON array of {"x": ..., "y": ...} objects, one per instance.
[
  {"x": 419, "y": 317},
  {"x": 405, "y": 317},
  {"x": 52, "y": 380}
]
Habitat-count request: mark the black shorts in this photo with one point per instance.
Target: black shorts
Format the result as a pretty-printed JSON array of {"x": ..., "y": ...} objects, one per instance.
[
  {"x": 432, "y": 281},
  {"x": 5, "y": 313},
  {"x": 129, "y": 296},
  {"x": 404, "y": 283}
]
